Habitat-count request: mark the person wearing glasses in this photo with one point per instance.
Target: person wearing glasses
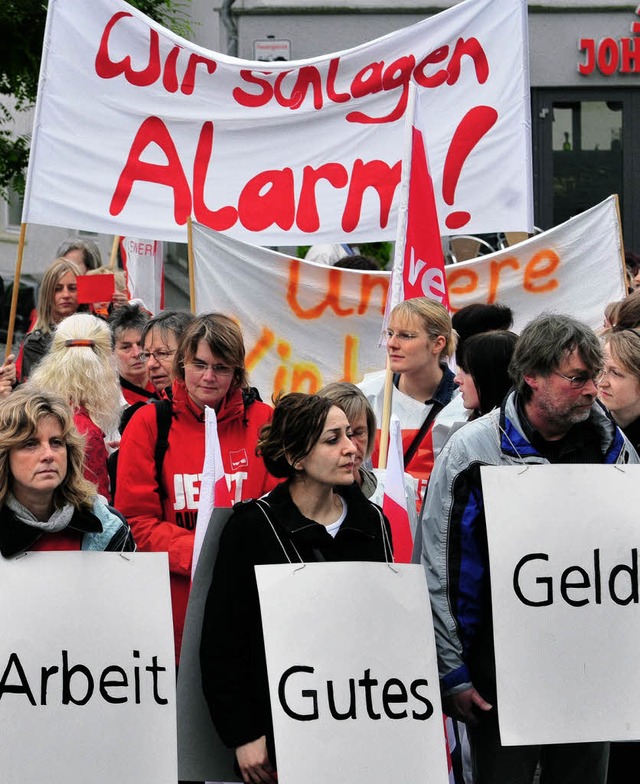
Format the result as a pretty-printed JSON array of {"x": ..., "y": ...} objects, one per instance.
[
  {"x": 162, "y": 507},
  {"x": 126, "y": 325},
  {"x": 420, "y": 340},
  {"x": 160, "y": 338},
  {"x": 551, "y": 416}
]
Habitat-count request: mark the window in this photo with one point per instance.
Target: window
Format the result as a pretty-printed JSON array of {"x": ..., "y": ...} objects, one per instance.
[{"x": 13, "y": 211}]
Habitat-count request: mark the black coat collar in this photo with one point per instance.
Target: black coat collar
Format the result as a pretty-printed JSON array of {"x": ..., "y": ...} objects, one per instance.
[
  {"x": 17, "y": 537},
  {"x": 359, "y": 511}
]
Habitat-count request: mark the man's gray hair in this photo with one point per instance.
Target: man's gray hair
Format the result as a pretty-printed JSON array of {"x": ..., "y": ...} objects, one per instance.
[{"x": 545, "y": 342}]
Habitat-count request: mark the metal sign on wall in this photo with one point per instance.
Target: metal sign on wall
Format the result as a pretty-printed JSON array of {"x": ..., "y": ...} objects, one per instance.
[
  {"x": 271, "y": 49},
  {"x": 610, "y": 55}
]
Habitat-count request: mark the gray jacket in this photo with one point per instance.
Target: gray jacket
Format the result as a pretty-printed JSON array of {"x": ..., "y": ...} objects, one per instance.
[{"x": 454, "y": 548}]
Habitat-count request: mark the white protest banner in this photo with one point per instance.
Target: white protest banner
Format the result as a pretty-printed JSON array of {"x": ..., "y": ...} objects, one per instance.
[
  {"x": 353, "y": 676},
  {"x": 576, "y": 268},
  {"x": 140, "y": 129},
  {"x": 143, "y": 261},
  {"x": 563, "y": 550},
  {"x": 87, "y": 669},
  {"x": 307, "y": 324}
]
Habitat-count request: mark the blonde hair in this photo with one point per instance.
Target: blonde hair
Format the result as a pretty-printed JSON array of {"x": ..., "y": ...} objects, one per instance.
[
  {"x": 85, "y": 375},
  {"x": 624, "y": 347},
  {"x": 55, "y": 272},
  {"x": 20, "y": 415},
  {"x": 434, "y": 317}
]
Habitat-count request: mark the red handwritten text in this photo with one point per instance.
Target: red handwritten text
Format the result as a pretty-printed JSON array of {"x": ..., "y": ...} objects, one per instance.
[
  {"x": 269, "y": 198},
  {"x": 106, "y": 68}
]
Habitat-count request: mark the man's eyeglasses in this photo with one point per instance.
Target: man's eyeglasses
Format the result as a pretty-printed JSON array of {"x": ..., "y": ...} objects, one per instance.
[
  {"x": 159, "y": 356},
  {"x": 202, "y": 367},
  {"x": 577, "y": 382}
]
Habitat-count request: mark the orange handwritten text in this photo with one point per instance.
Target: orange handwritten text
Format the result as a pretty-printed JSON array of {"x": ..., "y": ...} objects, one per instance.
[
  {"x": 333, "y": 297},
  {"x": 294, "y": 374},
  {"x": 488, "y": 283}
]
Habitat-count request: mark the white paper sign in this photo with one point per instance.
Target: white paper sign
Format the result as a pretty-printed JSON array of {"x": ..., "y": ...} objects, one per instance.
[
  {"x": 352, "y": 673},
  {"x": 563, "y": 548},
  {"x": 87, "y": 669}
]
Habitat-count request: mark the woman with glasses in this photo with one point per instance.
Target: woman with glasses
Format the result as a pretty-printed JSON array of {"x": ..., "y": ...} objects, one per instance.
[
  {"x": 619, "y": 382},
  {"x": 420, "y": 339},
  {"x": 160, "y": 339},
  {"x": 208, "y": 370}
]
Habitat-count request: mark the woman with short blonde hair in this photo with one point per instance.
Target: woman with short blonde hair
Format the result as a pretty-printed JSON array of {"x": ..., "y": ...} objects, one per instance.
[
  {"x": 619, "y": 382},
  {"x": 420, "y": 340}
]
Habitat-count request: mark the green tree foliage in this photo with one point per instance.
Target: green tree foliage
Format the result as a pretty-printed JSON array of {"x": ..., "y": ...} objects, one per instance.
[{"x": 22, "y": 24}]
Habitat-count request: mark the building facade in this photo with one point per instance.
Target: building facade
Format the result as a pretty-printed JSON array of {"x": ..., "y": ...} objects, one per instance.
[
  {"x": 585, "y": 94},
  {"x": 584, "y": 73}
]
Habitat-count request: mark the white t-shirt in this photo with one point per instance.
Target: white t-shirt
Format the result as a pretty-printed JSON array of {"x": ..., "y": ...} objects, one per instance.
[{"x": 335, "y": 527}]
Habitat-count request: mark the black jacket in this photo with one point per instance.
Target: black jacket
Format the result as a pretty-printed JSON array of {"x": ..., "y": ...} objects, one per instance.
[
  {"x": 104, "y": 528},
  {"x": 232, "y": 655}
]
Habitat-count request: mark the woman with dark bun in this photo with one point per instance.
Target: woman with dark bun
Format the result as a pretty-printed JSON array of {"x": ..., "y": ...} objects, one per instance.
[{"x": 318, "y": 513}]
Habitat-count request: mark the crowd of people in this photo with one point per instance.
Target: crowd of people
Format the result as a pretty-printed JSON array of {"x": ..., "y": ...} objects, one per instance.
[{"x": 102, "y": 441}]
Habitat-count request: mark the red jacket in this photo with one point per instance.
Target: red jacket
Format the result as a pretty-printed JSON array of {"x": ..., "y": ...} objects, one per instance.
[
  {"x": 95, "y": 452},
  {"x": 134, "y": 394},
  {"x": 168, "y": 525}
]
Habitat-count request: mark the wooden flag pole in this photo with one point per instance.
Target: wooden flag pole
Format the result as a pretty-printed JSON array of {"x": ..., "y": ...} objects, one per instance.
[
  {"x": 113, "y": 258},
  {"x": 192, "y": 280},
  {"x": 386, "y": 416},
  {"x": 16, "y": 291}
]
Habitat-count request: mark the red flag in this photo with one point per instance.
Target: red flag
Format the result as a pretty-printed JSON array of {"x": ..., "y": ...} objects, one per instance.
[
  {"x": 418, "y": 264},
  {"x": 394, "y": 500}
]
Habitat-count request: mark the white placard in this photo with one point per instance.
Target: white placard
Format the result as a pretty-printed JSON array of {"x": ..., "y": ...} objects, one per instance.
[
  {"x": 361, "y": 632},
  {"x": 563, "y": 549},
  {"x": 87, "y": 669}
]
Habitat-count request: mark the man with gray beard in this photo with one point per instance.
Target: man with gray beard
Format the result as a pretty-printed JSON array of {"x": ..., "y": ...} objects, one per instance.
[{"x": 550, "y": 416}]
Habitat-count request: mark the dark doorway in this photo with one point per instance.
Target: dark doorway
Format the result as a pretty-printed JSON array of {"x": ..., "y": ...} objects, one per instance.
[{"x": 585, "y": 147}]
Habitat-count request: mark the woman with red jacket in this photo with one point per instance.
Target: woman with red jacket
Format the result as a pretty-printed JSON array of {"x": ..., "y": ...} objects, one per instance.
[{"x": 208, "y": 370}]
